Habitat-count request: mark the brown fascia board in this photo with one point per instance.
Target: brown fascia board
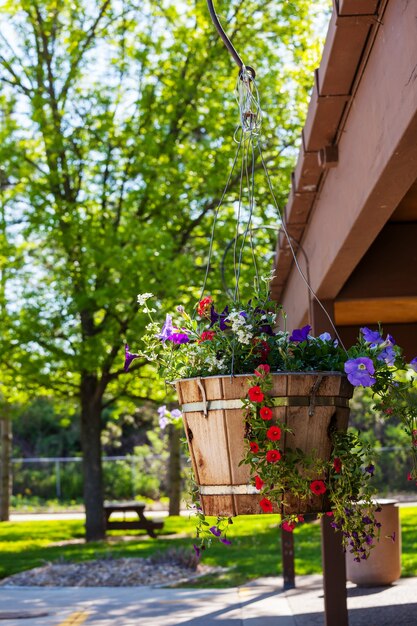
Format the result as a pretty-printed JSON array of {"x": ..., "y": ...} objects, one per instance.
[
  {"x": 356, "y": 7},
  {"x": 323, "y": 118},
  {"x": 298, "y": 207},
  {"x": 346, "y": 38},
  {"x": 307, "y": 172},
  {"x": 342, "y": 53}
]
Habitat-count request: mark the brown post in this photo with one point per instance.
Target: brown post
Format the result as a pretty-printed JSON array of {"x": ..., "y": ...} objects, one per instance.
[
  {"x": 288, "y": 570},
  {"x": 5, "y": 468},
  {"x": 174, "y": 470},
  {"x": 333, "y": 558}
]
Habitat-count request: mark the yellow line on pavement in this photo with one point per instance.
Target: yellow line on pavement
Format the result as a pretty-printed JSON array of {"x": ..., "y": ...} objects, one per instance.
[{"x": 75, "y": 619}]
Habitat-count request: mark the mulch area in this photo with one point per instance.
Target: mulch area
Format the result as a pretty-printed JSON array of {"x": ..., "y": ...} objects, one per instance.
[{"x": 109, "y": 572}]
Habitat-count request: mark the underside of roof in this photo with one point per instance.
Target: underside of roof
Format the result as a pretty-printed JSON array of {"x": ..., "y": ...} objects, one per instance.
[{"x": 352, "y": 210}]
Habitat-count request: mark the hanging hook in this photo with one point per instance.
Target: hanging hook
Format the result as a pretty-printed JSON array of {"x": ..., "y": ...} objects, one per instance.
[{"x": 228, "y": 43}]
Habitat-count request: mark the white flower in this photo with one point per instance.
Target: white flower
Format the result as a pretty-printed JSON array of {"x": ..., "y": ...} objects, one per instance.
[{"x": 142, "y": 297}]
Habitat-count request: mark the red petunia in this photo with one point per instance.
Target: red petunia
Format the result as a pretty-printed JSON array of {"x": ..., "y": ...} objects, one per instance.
[
  {"x": 329, "y": 513},
  {"x": 272, "y": 456},
  {"x": 254, "y": 447},
  {"x": 204, "y": 306},
  {"x": 318, "y": 487},
  {"x": 266, "y": 505},
  {"x": 274, "y": 433},
  {"x": 337, "y": 465},
  {"x": 262, "y": 347},
  {"x": 288, "y": 526},
  {"x": 262, "y": 370},
  {"x": 255, "y": 394},
  {"x": 265, "y": 413},
  {"x": 300, "y": 518},
  {"x": 259, "y": 483},
  {"x": 207, "y": 335}
]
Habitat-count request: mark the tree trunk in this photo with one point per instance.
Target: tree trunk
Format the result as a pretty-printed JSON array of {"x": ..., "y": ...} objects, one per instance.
[
  {"x": 91, "y": 447},
  {"x": 5, "y": 468},
  {"x": 174, "y": 469}
]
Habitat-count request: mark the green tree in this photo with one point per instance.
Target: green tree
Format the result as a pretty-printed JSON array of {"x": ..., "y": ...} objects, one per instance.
[{"x": 119, "y": 119}]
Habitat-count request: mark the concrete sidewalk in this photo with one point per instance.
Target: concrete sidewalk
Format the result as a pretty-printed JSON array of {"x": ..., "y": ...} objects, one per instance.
[{"x": 261, "y": 603}]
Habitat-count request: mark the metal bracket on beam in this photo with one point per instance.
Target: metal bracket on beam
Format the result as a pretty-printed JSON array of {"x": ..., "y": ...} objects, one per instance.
[{"x": 328, "y": 157}]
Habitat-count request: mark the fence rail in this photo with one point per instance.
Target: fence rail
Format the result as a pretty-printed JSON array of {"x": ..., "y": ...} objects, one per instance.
[{"x": 48, "y": 478}]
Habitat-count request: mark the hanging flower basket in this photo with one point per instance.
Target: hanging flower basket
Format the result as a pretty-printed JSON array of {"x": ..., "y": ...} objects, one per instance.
[
  {"x": 273, "y": 436},
  {"x": 312, "y": 406}
]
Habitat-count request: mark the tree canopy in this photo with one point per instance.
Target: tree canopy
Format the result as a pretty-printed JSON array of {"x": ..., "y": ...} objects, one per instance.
[{"x": 117, "y": 136}]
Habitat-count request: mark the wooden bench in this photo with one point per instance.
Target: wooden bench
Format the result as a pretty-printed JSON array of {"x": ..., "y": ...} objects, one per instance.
[{"x": 141, "y": 523}]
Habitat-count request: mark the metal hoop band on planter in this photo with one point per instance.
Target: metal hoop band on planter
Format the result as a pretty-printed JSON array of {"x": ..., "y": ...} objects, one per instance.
[{"x": 213, "y": 405}]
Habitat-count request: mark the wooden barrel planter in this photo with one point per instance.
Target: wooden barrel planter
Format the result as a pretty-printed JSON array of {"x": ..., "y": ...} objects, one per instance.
[{"x": 310, "y": 404}]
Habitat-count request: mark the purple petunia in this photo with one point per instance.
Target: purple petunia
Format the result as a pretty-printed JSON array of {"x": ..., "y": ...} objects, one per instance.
[
  {"x": 387, "y": 355},
  {"x": 162, "y": 410},
  {"x": 219, "y": 317},
  {"x": 325, "y": 337},
  {"x": 197, "y": 551},
  {"x": 300, "y": 334},
  {"x": 178, "y": 338},
  {"x": 360, "y": 371},
  {"x": 371, "y": 336},
  {"x": 176, "y": 413},
  {"x": 215, "y": 531},
  {"x": 413, "y": 364},
  {"x": 129, "y": 357},
  {"x": 267, "y": 329},
  {"x": 163, "y": 422},
  {"x": 167, "y": 329},
  {"x": 226, "y": 541},
  {"x": 370, "y": 469}
]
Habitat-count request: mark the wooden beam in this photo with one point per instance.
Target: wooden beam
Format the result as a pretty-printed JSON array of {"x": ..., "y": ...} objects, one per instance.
[{"x": 371, "y": 311}]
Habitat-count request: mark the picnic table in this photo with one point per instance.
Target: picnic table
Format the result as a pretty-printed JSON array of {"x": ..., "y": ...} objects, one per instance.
[{"x": 141, "y": 523}]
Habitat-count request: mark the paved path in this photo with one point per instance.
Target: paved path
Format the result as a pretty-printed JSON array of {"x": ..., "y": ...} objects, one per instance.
[{"x": 261, "y": 603}]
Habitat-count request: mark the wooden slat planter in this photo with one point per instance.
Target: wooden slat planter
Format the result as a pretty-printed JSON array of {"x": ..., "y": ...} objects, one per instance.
[{"x": 310, "y": 404}]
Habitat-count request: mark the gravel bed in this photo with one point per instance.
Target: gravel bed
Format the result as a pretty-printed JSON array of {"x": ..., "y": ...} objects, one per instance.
[{"x": 129, "y": 572}]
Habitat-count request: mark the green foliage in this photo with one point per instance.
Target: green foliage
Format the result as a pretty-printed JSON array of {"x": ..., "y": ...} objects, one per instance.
[
  {"x": 118, "y": 125},
  {"x": 41, "y": 429},
  {"x": 117, "y": 132}
]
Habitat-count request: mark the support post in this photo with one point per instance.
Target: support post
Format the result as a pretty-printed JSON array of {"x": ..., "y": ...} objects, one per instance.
[
  {"x": 334, "y": 575},
  {"x": 174, "y": 470},
  {"x": 5, "y": 468},
  {"x": 333, "y": 558},
  {"x": 288, "y": 570}
]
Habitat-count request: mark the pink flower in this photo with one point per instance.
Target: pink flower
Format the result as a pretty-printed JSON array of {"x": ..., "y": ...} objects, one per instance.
[{"x": 262, "y": 370}]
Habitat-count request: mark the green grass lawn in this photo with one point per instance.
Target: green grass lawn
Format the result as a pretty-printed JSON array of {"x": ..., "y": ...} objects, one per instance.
[{"x": 255, "y": 551}]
